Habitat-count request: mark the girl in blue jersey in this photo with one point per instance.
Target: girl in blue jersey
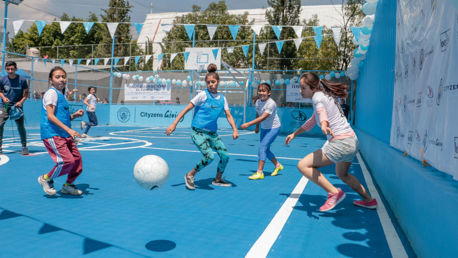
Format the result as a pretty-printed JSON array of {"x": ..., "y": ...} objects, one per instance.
[
  {"x": 208, "y": 106},
  {"x": 58, "y": 136}
]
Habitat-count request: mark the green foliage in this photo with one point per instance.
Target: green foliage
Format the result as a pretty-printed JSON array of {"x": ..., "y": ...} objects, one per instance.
[{"x": 177, "y": 39}]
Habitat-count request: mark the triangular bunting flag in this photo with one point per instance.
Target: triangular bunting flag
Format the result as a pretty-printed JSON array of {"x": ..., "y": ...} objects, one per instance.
[
  {"x": 298, "y": 31},
  {"x": 79, "y": 60},
  {"x": 337, "y": 34},
  {"x": 318, "y": 30},
  {"x": 88, "y": 26},
  {"x": 262, "y": 47},
  {"x": 256, "y": 29},
  {"x": 112, "y": 28},
  {"x": 215, "y": 52},
  {"x": 356, "y": 31},
  {"x": 62, "y": 62},
  {"x": 189, "y": 30},
  {"x": 172, "y": 56},
  {"x": 126, "y": 60},
  {"x": 17, "y": 26},
  {"x": 40, "y": 26},
  {"x": 230, "y": 50},
  {"x": 88, "y": 61},
  {"x": 70, "y": 61},
  {"x": 159, "y": 57},
  {"x": 138, "y": 27},
  {"x": 166, "y": 27},
  {"x": 96, "y": 61},
  {"x": 137, "y": 58},
  {"x": 116, "y": 60},
  {"x": 211, "y": 30},
  {"x": 318, "y": 40},
  {"x": 186, "y": 55},
  {"x": 277, "y": 30},
  {"x": 279, "y": 45},
  {"x": 105, "y": 61},
  {"x": 245, "y": 49},
  {"x": 234, "y": 29},
  {"x": 297, "y": 43},
  {"x": 147, "y": 57},
  {"x": 63, "y": 26}
]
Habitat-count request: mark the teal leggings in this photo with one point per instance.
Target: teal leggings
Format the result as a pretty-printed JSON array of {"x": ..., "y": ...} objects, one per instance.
[{"x": 206, "y": 142}]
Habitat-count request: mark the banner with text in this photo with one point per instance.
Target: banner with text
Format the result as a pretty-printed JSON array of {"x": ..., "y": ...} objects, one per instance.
[
  {"x": 293, "y": 94},
  {"x": 424, "y": 122},
  {"x": 147, "y": 91}
]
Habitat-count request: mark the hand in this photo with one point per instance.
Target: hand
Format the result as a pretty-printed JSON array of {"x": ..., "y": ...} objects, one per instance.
[
  {"x": 289, "y": 138},
  {"x": 19, "y": 104},
  {"x": 244, "y": 126},
  {"x": 256, "y": 130},
  {"x": 327, "y": 131},
  {"x": 170, "y": 129},
  {"x": 6, "y": 100},
  {"x": 235, "y": 134},
  {"x": 74, "y": 133},
  {"x": 79, "y": 113}
]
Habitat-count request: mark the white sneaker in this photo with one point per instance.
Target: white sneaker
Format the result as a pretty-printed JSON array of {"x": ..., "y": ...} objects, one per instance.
[
  {"x": 84, "y": 135},
  {"x": 83, "y": 124},
  {"x": 48, "y": 186},
  {"x": 71, "y": 189}
]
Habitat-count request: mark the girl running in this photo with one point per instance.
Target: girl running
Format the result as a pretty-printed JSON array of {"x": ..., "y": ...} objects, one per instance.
[
  {"x": 58, "y": 136},
  {"x": 266, "y": 115},
  {"x": 341, "y": 146},
  {"x": 91, "y": 102},
  {"x": 209, "y": 104}
]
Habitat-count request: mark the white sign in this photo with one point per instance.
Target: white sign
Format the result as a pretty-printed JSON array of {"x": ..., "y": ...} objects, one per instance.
[
  {"x": 293, "y": 94},
  {"x": 424, "y": 122},
  {"x": 147, "y": 91},
  {"x": 200, "y": 58}
]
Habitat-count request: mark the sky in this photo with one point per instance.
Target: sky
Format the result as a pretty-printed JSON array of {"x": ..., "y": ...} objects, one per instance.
[{"x": 48, "y": 9}]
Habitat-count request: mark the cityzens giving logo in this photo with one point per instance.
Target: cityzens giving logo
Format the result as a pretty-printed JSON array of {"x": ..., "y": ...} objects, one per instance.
[
  {"x": 123, "y": 115},
  {"x": 298, "y": 115}
]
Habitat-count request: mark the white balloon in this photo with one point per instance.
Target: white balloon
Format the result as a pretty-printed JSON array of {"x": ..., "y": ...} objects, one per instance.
[
  {"x": 174, "y": 81},
  {"x": 337, "y": 75},
  {"x": 368, "y": 21},
  {"x": 372, "y": 1},
  {"x": 327, "y": 77},
  {"x": 184, "y": 83},
  {"x": 140, "y": 78},
  {"x": 282, "y": 81}
]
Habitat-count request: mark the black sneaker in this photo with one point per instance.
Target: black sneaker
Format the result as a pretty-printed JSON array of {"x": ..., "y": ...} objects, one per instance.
[
  {"x": 221, "y": 182},
  {"x": 189, "y": 180}
]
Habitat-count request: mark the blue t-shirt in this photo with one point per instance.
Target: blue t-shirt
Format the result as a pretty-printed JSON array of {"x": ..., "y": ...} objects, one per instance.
[{"x": 13, "y": 89}]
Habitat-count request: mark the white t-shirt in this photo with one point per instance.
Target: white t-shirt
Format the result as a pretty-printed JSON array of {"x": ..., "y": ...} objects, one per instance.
[
  {"x": 92, "y": 101},
  {"x": 200, "y": 99},
  {"x": 270, "y": 107},
  {"x": 50, "y": 98},
  {"x": 336, "y": 118}
]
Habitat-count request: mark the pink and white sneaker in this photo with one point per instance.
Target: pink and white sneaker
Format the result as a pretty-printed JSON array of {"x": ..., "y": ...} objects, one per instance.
[
  {"x": 333, "y": 200},
  {"x": 369, "y": 205}
]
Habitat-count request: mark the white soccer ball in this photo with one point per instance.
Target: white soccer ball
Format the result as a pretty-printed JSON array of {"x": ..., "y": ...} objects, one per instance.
[{"x": 151, "y": 172}]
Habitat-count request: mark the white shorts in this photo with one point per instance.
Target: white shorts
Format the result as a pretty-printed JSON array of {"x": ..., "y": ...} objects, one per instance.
[{"x": 343, "y": 150}]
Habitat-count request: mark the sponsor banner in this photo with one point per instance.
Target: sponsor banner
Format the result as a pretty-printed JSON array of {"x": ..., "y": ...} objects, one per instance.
[
  {"x": 293, "y": 94},
  {"x": 424, "y": 122},
  {"x": 148, "y": 115},
  {"x": 147, "y": 91}
]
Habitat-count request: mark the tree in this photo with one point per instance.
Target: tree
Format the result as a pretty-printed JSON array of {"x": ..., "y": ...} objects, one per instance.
[
  {"x": 177, "y": 40},
  {"x": 282, "y": 12}
]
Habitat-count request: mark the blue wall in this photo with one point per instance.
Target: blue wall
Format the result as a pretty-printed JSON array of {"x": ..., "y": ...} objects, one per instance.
[{"x": 424, "y": 200}]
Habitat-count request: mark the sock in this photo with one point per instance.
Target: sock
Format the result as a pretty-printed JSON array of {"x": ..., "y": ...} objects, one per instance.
[
  {"x": 278, "y": 165},
  {"x": 260, "y": 172}
]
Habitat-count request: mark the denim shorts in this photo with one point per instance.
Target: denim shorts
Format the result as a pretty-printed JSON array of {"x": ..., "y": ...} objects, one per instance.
[{"x": 343, "y": 150}]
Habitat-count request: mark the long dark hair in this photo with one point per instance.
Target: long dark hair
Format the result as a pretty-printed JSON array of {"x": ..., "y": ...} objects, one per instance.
[
  {"x": 212, "y": 71},
  {"x": 57, "y": 68},
  {"x": 334, "y": 89}
]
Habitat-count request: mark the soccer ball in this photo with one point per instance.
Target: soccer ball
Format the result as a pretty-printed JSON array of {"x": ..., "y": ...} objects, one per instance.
[{"x": 151, "y": 172}]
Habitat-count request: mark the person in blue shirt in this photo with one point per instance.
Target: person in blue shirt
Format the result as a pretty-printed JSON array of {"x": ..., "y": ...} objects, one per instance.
[
  {"x": 209, "y": 104},
  {"x": 59, "y": 137},
  {"x": 13, "y": 93}
]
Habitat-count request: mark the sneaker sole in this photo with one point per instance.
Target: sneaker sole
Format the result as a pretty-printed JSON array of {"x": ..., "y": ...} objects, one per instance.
[
  {"x": 187, "y": 185},
  {"x": 373, "y": 207},
  {"x": 337, "y": 203},
  {"x": 69, "y": 193},
  {"x": 48, "y": 193}
]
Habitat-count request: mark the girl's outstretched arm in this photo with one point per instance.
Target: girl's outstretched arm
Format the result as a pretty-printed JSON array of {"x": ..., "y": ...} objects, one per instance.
[
  {"x": 183, "y": 112},
  {"x": 230, "y": 119},
  {"x": 255, "y": 121}
]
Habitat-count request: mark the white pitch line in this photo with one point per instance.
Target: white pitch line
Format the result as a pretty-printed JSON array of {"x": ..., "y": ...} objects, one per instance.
[
  {"x": 265, "y": 242},
  {"x": 232, "y": 154},
  {"x": 394, "y": 243},
  {"x": 3, "y": 159}
]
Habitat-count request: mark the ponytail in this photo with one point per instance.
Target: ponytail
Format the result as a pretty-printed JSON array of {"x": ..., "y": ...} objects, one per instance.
[{"x": 333, "y": 89}]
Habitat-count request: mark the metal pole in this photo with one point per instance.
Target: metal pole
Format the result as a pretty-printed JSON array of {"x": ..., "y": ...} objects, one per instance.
[
  {"x": 192, "y": 72},
  {"x": 76, "y": 79},
  {"x": 5, "y": 21},
  {"x": 31, "y": 80},
  {"x": 111, "y": 69}
]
